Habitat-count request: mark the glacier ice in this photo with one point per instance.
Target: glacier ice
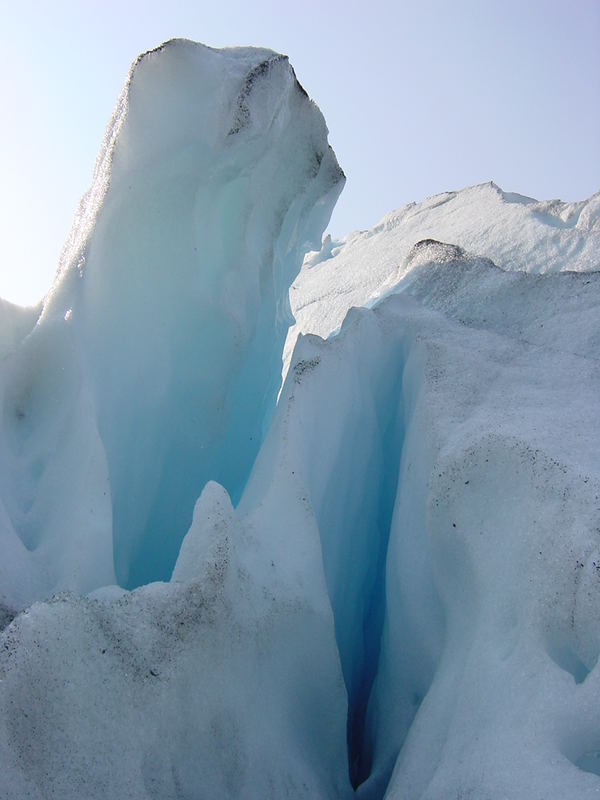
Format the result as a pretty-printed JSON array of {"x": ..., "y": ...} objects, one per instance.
[
  {"x": 386, "y": 584},
  {"x": 516, "y": 233},
  {"x": 224, "y": 682},
  {"x": 176, "y": 324}
]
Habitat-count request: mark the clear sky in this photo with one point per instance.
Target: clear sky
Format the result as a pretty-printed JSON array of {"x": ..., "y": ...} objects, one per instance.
[{"x": 420, "y": 97}]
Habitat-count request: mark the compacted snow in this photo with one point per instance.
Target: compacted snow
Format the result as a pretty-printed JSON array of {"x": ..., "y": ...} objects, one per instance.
[{"x": 388, "y": 583}]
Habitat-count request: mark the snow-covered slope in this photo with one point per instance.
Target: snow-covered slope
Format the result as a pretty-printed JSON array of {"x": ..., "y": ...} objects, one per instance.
[
  {"x": 515, "y": 232},
  {"x": 403, "y": 599}
]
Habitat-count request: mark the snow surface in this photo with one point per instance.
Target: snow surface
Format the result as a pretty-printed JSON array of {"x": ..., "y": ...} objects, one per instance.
[
  {"x": 506, "y": 228},
  {"x": 403, "y": 598}
]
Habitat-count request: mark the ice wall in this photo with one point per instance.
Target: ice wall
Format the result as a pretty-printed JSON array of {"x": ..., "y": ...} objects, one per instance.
[
  {"x": 154, "y": 367},
  {"x": 488, "y": 634},
  {"x": 444, "y": 445},
  {"x": 171, "y": 301}
]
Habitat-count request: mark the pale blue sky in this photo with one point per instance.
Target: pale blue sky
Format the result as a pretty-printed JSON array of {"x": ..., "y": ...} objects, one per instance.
[{"x": 419, "y": 97}]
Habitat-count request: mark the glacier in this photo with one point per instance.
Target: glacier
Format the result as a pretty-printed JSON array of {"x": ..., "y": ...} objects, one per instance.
[{"x": 275, "y": 527}]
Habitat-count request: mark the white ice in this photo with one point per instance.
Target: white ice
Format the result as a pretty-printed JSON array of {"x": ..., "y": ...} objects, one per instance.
[{"x": 390, "y": 581}]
